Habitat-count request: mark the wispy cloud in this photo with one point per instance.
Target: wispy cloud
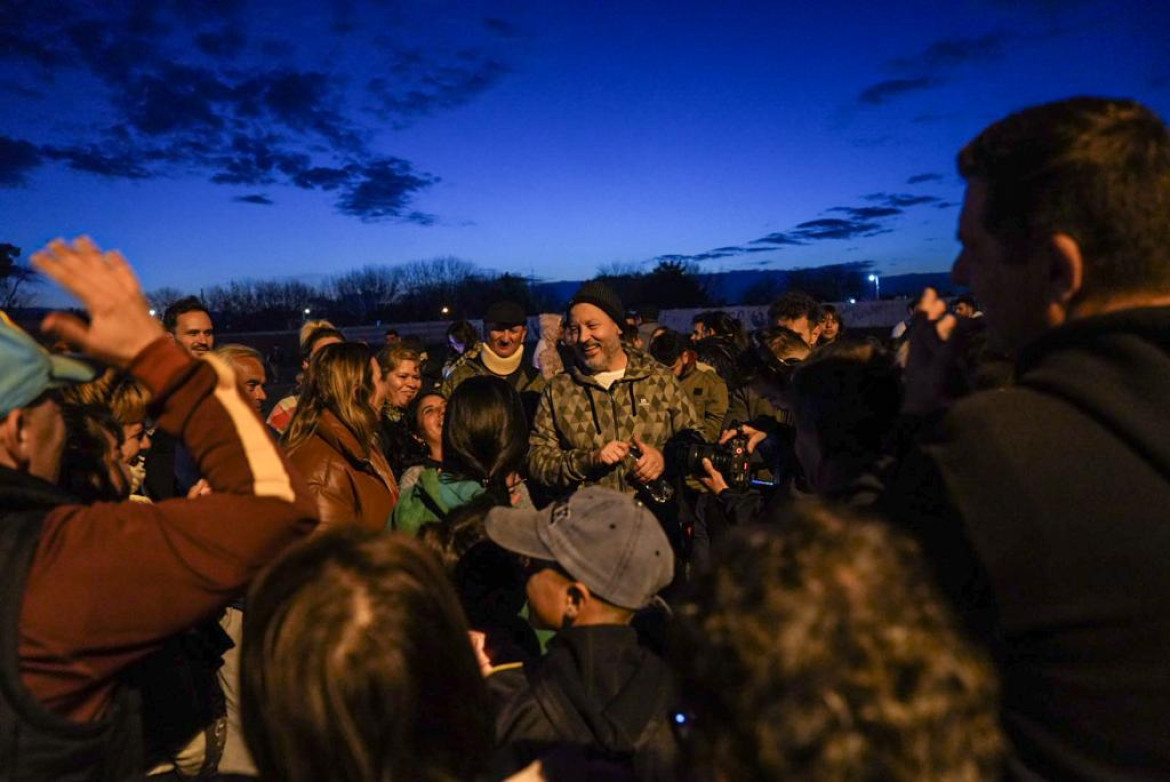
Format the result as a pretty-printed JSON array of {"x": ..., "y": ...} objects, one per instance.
[
  {"x": 867, "y": 212},
  {"x": 190, "y": 89},
  {"x": 950, "y": 53},
  {"x": 17, "y": 159},
  {"x": 918, "y": 179},
  {"x": 835, "y": 228},
  {"x": 779, "y": 239},
  {"x": 254, "y": 198},
  {"x": 932, "y": 67},
  {"x": 859, "y": 222},
  {"x": 884, "y": 91},
  {"x": 901, "y": 200}
]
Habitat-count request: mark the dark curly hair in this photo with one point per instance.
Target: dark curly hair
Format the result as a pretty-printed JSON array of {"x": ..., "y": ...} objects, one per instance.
[{"x": 819, "y": 648}]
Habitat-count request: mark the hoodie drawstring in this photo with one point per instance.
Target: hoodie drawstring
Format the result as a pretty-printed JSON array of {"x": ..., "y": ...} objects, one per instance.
[{"x": 593, "y": 407}]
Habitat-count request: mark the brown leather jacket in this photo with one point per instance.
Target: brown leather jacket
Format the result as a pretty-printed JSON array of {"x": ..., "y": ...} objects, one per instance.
[{"x": 351, "y": 482}]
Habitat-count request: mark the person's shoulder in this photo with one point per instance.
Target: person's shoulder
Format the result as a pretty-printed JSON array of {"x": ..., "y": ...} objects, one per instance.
[
  {"x": 315, "y": 457},
  {"x": 562, "y": 383},
  {"x": 513, "y": 701},
  {"x": 993, "y": 407}
]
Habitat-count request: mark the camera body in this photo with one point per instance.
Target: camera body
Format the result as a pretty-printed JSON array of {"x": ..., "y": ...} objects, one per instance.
[{"x": 730, "y": 459}]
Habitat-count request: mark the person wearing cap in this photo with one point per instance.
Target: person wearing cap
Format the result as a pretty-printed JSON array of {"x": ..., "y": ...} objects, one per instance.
[
  {"x": 500, "y": 354},
  {"x": 89, "y": 591},
  {"x": 592, "y": 560},
  {"x": 699, "y": 382},
  {"x": 613, "y": 397}
]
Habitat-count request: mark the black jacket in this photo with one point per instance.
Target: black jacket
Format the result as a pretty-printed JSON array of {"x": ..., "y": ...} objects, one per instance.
[
  {"x": 1046, "y": 511},
  {"x": 36, "y": 743},
  {"x": 598, "y": 690}
]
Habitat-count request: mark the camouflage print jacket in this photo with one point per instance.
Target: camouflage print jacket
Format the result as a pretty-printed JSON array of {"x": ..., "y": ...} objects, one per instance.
[
  {"x": 526, "y": 379},
  {"x": 576, "y": 417}
]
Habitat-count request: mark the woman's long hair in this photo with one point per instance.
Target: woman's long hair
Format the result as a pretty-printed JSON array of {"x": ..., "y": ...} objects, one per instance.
[
  {"x": 485, "y": 433},
  {"x": 356, "y": 665},
  {"x": 339, "y": 379}
]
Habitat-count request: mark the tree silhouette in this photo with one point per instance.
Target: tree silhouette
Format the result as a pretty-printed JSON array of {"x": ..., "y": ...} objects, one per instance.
[
  {"x": 673, "y": 285},
  {"x": 15, "y": 279}
]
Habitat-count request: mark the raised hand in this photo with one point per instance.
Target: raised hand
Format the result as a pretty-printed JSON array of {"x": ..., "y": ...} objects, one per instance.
[{"x": 120, "y": 324}]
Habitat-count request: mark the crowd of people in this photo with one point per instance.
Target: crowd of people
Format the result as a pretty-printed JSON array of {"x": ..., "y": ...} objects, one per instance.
[{"x": 614, "y": 550}]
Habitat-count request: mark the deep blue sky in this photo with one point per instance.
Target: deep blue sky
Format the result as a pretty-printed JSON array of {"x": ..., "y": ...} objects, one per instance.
[{"x": 212, "y": 140}]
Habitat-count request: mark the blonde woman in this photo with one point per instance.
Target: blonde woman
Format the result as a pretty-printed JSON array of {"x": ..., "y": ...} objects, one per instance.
[
  {"x": 401, "y": 381},
  {"x": 333, "y": 439}
]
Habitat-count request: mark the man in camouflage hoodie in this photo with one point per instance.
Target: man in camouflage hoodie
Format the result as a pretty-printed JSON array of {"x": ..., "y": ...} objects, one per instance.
[{"x": 612, "y": 397}]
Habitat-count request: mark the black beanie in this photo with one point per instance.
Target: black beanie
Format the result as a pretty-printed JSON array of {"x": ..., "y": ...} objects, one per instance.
[{"x": 601, "y": 296}]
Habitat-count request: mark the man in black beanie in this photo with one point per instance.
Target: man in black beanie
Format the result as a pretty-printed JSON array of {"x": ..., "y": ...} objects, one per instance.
[{"x": 612, "y": 398}]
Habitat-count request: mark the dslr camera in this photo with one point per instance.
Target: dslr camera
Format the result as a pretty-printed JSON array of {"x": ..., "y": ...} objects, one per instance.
[{"x": 730, "y": 458}]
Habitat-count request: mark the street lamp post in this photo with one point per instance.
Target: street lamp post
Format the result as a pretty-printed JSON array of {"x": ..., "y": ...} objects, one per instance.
[{"x": 877, "y": 286}]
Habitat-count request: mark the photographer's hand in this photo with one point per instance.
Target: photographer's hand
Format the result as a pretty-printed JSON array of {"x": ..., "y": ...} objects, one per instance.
[
  {"x": 714, "y": 479},
  {"x": 755, "y": 436},
  {"x": 651, "y": 465}
]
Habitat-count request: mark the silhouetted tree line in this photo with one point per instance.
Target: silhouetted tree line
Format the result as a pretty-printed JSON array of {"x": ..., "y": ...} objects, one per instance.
[
  {"x": 450, "y": 287},
  {"x": 434, "y": 289},
  {"x": 420, "y": 290}
]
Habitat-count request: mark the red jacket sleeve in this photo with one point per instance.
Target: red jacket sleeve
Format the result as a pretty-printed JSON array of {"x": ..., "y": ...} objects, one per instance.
[{"x": 109, "y": 582}]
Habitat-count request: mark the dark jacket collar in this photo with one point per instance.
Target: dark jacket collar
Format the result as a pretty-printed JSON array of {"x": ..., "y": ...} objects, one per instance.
[
  {"x": 615, "y": 685},
  {"x": 1151, "y": 324},
  {"x": 20, "y": 491},
  {"x": 1115, "y": 368}
]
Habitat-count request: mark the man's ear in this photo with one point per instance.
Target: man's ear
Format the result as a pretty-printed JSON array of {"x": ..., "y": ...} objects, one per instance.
[
  {"x": 1066, "y": 276},
  {"x": 11, "y": 453},
  {"x": 576, "y": 598}
]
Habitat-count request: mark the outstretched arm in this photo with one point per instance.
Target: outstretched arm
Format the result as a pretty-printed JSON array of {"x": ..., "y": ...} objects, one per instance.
[{"x": 109, "y": 582}]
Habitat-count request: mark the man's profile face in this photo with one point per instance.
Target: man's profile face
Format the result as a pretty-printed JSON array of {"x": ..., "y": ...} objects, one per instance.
[
  {"x": 595, "y": 338},
  {"x": 802, "y": 327},
  {"x": 252, "y": 377},
  {"x": 42, "y": 439},
  {"x": 699, "y": 331},
  {"x": 506, "y": 340},
  {"x": 1010, "y": 286},
  {"x": 194, "y": 332},
  {"x": 964, "y": 310}
]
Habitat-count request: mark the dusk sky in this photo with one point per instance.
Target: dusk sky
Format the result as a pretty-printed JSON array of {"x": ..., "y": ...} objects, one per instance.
[{"x": 213, "y": 140}]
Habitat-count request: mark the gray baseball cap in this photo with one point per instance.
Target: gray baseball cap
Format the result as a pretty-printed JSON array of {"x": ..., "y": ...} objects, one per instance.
[{"x": 605, "y": 539}]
